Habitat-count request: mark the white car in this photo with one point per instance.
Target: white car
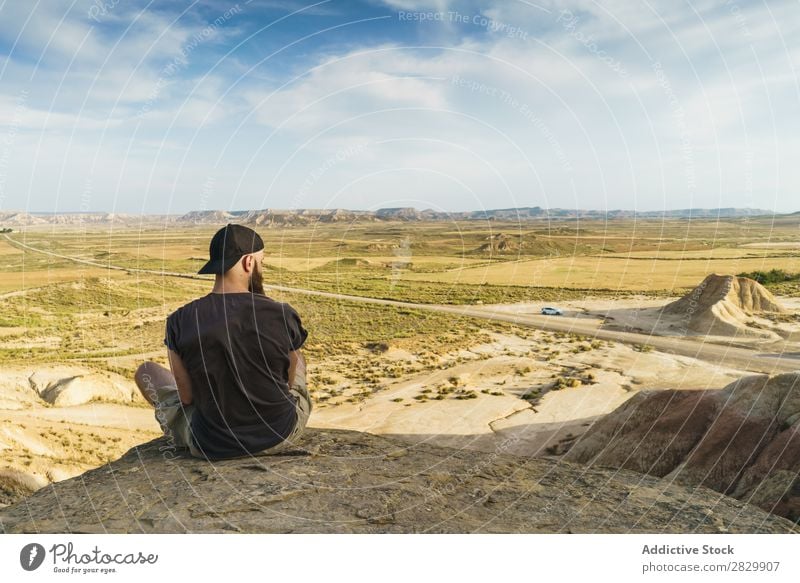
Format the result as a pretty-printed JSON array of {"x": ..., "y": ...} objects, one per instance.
[{"x": 552, "y": 312}]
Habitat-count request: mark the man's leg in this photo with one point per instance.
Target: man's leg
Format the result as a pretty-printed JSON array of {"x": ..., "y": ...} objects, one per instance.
[
  {"x": 150, "y": 376},
  {"x": 304, "y": 407},
  {"x": 157, "y": 385}
]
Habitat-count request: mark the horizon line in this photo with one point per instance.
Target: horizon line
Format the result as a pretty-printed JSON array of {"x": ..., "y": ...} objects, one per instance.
[{"x": 322, "y": 209}]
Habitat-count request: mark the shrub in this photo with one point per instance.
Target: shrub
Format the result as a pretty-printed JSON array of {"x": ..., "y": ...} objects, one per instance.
[{"x": 771, "y": 276}]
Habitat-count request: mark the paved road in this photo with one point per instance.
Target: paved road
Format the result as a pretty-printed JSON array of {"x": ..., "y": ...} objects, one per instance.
[{"x": 734, "y": 357}]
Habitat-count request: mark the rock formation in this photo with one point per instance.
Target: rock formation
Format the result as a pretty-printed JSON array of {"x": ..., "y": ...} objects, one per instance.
[
  {"x": 742, "y": 441},
  {"x": 304, "y": 217},
  {"x": 723, "y": 305},
  {"x": 68, "y": 386},
  {"x": 346, "y": 481},
  {"x": 499, "y": 243}
]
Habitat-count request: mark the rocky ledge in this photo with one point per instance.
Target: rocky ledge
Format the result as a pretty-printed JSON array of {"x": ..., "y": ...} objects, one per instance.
[
  {"x": 346, "y": 481},
  {"x": 742, "y": 441}
]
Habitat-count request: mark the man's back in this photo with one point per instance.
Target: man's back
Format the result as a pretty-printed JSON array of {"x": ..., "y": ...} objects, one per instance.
[{"x": 236, "y": 348}]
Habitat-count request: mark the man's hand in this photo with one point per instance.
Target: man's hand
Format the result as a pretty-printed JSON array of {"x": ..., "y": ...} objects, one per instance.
[
  {"x": 297, "y": 366},
  {"x": 181, "y": 377}
]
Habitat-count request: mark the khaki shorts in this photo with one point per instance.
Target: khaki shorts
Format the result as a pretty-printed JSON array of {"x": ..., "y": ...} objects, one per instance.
[{"x": 175, "y": 418}]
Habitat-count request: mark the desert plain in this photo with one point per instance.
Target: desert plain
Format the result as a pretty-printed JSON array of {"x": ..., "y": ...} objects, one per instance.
[{"x": 428, "y": 332}]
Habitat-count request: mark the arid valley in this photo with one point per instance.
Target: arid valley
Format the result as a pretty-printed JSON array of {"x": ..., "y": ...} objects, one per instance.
[{"x": 432, "y": 332}]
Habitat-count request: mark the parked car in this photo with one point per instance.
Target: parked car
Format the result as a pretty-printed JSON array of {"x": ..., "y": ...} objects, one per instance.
[{"x": 552, "y": 311}]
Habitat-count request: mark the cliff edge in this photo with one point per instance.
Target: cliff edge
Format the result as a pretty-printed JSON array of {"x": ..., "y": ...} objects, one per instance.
[
  {"x": 347, "y": 481},
  {"x": 742, "y": 440}
]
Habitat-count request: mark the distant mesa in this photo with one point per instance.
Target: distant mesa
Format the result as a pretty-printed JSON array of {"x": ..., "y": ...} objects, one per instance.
[
  {"x": 723, "y": 305},
  {"x": 300, "y": 217},
  {"x": 742, "y": 441},
  {"x": 26, "y": 219},
  {"x": 403, "y": 214},
  {"x": 207, "y": 217},
  {"x": 21, "y": 219}
]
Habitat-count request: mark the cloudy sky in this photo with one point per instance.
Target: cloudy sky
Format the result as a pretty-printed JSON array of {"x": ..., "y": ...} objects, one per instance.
[{"x": 170, "y": 106}]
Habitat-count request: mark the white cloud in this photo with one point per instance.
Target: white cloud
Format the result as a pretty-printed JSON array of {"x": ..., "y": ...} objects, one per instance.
[
  {"x": 357, "y": 83},
  {"x": 475, "y": 112}
]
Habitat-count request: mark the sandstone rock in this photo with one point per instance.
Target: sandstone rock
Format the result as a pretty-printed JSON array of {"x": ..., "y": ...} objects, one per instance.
[
  {"x": 66, "y": 386},
  {"x": 15, "y": 484},
  {"x": 742, "y": 441},
  {"x": 346, "y": 481},
  {"x": 722, "y": 305}
]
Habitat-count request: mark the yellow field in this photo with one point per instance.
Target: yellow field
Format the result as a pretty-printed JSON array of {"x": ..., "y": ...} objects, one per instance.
[
  {"x": 309, "y": 263},
  {"x": 717, "y": 253},
  {"x": 160, "y": 250},
  {"x": 12, "y": 282},
  {"x": 292, "y": 263},
  {"x": 606, "y": 272},
  {"x": 367, "y": 259},
  {"x": 779, "y": 245},
  {"x": 8, "y": 249}
]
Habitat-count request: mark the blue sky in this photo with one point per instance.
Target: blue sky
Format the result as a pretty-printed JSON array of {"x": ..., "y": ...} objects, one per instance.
[{"x": 165, "y": 107}]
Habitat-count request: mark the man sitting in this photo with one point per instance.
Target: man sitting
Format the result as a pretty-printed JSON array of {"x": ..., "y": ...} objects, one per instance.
[{"x": 237, "y": 385}]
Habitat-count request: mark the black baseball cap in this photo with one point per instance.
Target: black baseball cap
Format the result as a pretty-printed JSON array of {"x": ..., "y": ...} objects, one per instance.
[{"x": 228, "y": 245}]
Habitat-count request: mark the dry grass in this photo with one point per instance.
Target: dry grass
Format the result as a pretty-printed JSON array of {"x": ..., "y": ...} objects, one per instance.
[
  {"x": 34, "y": 278},
  {"x": 607, "y": 273}
]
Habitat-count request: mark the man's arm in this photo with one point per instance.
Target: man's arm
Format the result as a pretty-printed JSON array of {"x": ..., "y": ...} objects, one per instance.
[
  {"x": 181, "y": 377},
  {"x": 297, "y": 366}
]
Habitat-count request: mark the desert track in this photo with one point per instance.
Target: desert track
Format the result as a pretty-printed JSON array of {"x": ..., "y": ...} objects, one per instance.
[{"x": 734, "y": 357}]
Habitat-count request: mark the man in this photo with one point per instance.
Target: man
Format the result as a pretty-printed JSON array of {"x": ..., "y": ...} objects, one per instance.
[{"x": 237, "y": 381}]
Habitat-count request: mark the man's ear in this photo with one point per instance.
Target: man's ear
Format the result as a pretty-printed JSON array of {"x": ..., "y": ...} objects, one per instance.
[{"x": 247, "y": 263}]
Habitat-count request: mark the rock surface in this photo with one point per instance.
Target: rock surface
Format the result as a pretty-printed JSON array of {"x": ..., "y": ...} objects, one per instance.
[
  {"x": 723, "y": 305},
  {"x": 346, "y": 481},
  {"x": 743, "y": 440}
]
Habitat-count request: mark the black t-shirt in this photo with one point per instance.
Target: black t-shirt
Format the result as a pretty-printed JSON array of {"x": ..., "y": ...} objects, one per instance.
[{"x": 236, "y": 347}]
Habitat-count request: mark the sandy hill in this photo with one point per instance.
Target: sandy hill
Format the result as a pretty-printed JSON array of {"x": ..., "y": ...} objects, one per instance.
[
  {"x": 742, "y": 441},
  {"x": 499, "y": 243},
  {"x": 58, "y": 421},
  {"x": 723, "y": 305},
  {"x": 347, "y": 481}
]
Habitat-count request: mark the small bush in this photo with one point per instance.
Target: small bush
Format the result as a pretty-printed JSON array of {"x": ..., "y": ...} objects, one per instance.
[{"x": 771, "y": 276}]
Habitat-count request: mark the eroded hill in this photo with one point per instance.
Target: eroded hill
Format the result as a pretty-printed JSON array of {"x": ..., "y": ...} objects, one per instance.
[{"x": 742, "y": 441}]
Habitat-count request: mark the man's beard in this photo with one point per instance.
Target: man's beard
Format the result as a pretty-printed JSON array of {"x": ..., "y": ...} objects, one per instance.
[{"x": 256, "y": 284}]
